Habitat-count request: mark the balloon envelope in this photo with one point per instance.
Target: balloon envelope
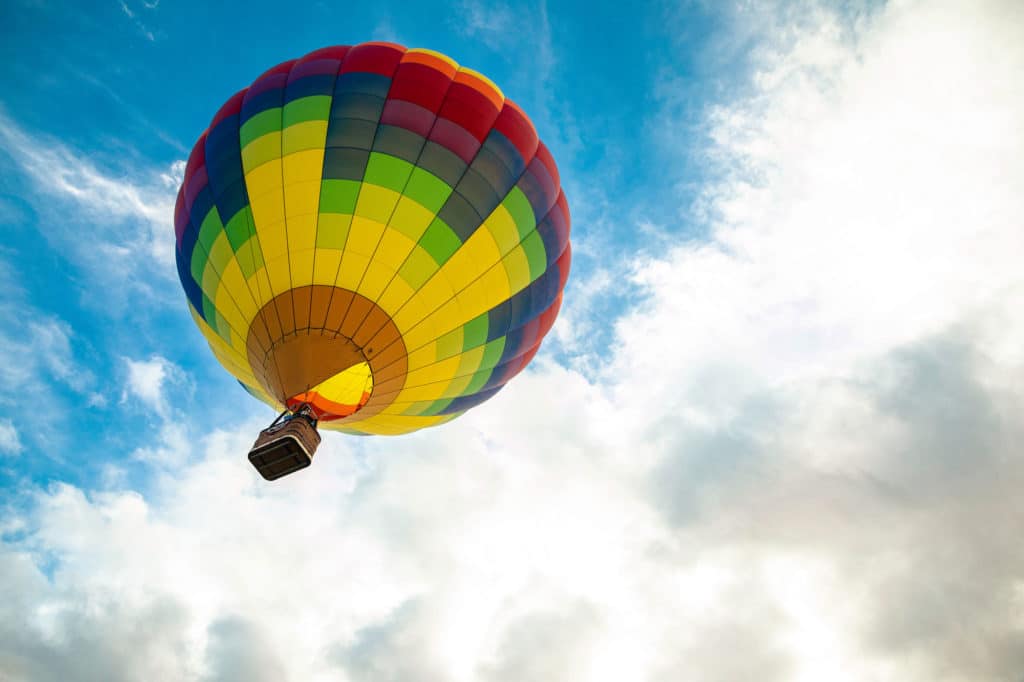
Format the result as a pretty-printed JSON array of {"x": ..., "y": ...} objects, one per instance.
[{"x": 375, "y": 231}]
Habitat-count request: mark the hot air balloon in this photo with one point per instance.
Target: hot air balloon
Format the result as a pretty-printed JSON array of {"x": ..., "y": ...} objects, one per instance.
[{"x": 371, "y": 239}]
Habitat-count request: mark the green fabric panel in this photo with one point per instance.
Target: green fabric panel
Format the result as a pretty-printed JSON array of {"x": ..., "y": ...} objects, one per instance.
[
  {"x": 259, "y": 125},
  {"x": 440, "y": 241},
  {"x": 418, "y": 268},
  {"x": 261, "y": 150},
  {"x": 417, "y": 408},
  {"x": 533, "y": 245},
  {"x": 492, "y": 354},
  {"x": 450, "y": 344},
  {"x": 221, "y": 253},
  {"x": 250, "y": 257},
  {"x": 210, "y": 314},
  {"x": 427, "y": 189},
  {"x": 434, "y": 407},
  {"x": 210, "y": 282},
  {"x": 210, "y": 228},
  {"x": 519, "y": 206},
  {"x": 477, "y": 382},
  {"x": 474, "y": 333},
  {"x": 302, "y": 139},
  {"x": 332, "y": 237},
  {"x": 238, "y": 229},
  {"x": 223, "y": 328},
  {"x": 387, "y": 171},
  {"x": 339, "y": 196},
  {"x": 312, "y": 108},
  {"x": 198, "y": 264}
]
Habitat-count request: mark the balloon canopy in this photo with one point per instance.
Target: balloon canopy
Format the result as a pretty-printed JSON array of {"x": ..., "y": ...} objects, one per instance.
[{"x": 375, "y": 231}]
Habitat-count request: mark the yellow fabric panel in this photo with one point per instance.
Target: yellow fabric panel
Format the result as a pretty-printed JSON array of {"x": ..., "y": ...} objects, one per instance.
[
  {"x": 301, "y": 179},
  {"x": 414, "y": 394},
  {"x": 396, "y": 294},
  {"x": 273, "y": 240},
  {"x": 428, "y": 374},
  {"x": 435, "y": 293},
  {"x": 229, "y": 311},
  {"x": 260, "y": 284},
  {"x": 304, "y": 136},
  {"x": 301, "y": 264},
  {"x": 233, "y": 279},
  {"x": 393, "y": 249},
  {"x": 301, "y": 243},
  {"x": 412, "y": 216},
  {"x": 266, "y": 200},
  {"x": 325, "y": 266},
  {"x": 423, "y": 356},
  {"x": 469, "y": 361},
  {"x": 426, "y": 383},
  {"x": 347, "y": 387},
  {"x": 264, "y": 148},
  {"x": 443, "y": 320},
  {"x": 223, "y": 300},
  {"x": 503, "y": 228},
  {"x": 411, "y": 312},
  {"x": 485, "y": 292},
  {"x": 382, "y": 424},
  {"x": 302, "y": 198},
  {"x": 518, "y": 269},
  {"x": 332, "y": 230},
  {"x": 363, "y": 235},
  {"x": 376, "y": 203},
  {"x": 353, "y": 265},
  {"x": 457, "y": 385},
  {"x": 473, "y": 258},
  {"x": 437, "y": 55},
  {"x": 279, "y": 274},
  {"x": 485, "y": 79},
  {"x": 375, "y": 279}
]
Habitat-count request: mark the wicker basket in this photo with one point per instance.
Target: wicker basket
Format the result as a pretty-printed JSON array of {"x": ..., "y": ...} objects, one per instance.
[{"x": 284, "y": 448}]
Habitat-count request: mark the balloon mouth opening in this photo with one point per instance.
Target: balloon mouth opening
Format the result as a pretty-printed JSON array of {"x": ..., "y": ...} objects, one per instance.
[{"x": 338, "y": 396}]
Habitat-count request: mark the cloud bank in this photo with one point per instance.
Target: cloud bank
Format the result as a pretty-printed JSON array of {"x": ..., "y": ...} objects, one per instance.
[{"x": 800, "y": 462}]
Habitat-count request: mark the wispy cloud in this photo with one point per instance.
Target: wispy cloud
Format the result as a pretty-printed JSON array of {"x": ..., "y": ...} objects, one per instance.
[
  {"x": 133, "y": 15},
  {"x": 10, "y": 441},
  {"x": 113, "y": 223}
]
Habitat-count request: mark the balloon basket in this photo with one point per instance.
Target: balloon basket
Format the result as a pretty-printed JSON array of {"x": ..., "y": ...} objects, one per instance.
[{"x": 285, "y": 446}]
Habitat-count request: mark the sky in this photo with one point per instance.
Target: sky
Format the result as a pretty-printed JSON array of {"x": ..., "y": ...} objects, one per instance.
[{"x": 775, "y": 433}]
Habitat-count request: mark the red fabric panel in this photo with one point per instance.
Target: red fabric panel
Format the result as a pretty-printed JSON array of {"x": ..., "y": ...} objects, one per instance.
[
  {"x": 514, "y": 124},
  {"x": 230, "y": 108},
  {"x": 196, "y": 162},
  {"x": 282, "y": 68},
  {"x": 549, "y": 163},
  {"x": 470, "y": 110},
  {"x": 313, "y": 67},
  {"x": 407, "y": 115},
  {"x": 180, "y": 214},
  {"x": 381, "y": 58},
  {"x": 455, "y": 138},
  {"x": 336, "y": 52},
  {"x": 419, "y": 84},
  {"x": 563, "y": 263},
  {"x": 267, "y": 81}
]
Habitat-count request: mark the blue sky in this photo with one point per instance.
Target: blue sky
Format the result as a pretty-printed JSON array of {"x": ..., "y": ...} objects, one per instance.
[{"x": 780, "y": 412}]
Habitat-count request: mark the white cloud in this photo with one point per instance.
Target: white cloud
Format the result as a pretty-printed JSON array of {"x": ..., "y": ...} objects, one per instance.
[
  {"x": 118, "y": 223},
  {"x": 10, "y": 441},
  {"x": 146, "y": 381},
  {"x": 800, "y": 463}
]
